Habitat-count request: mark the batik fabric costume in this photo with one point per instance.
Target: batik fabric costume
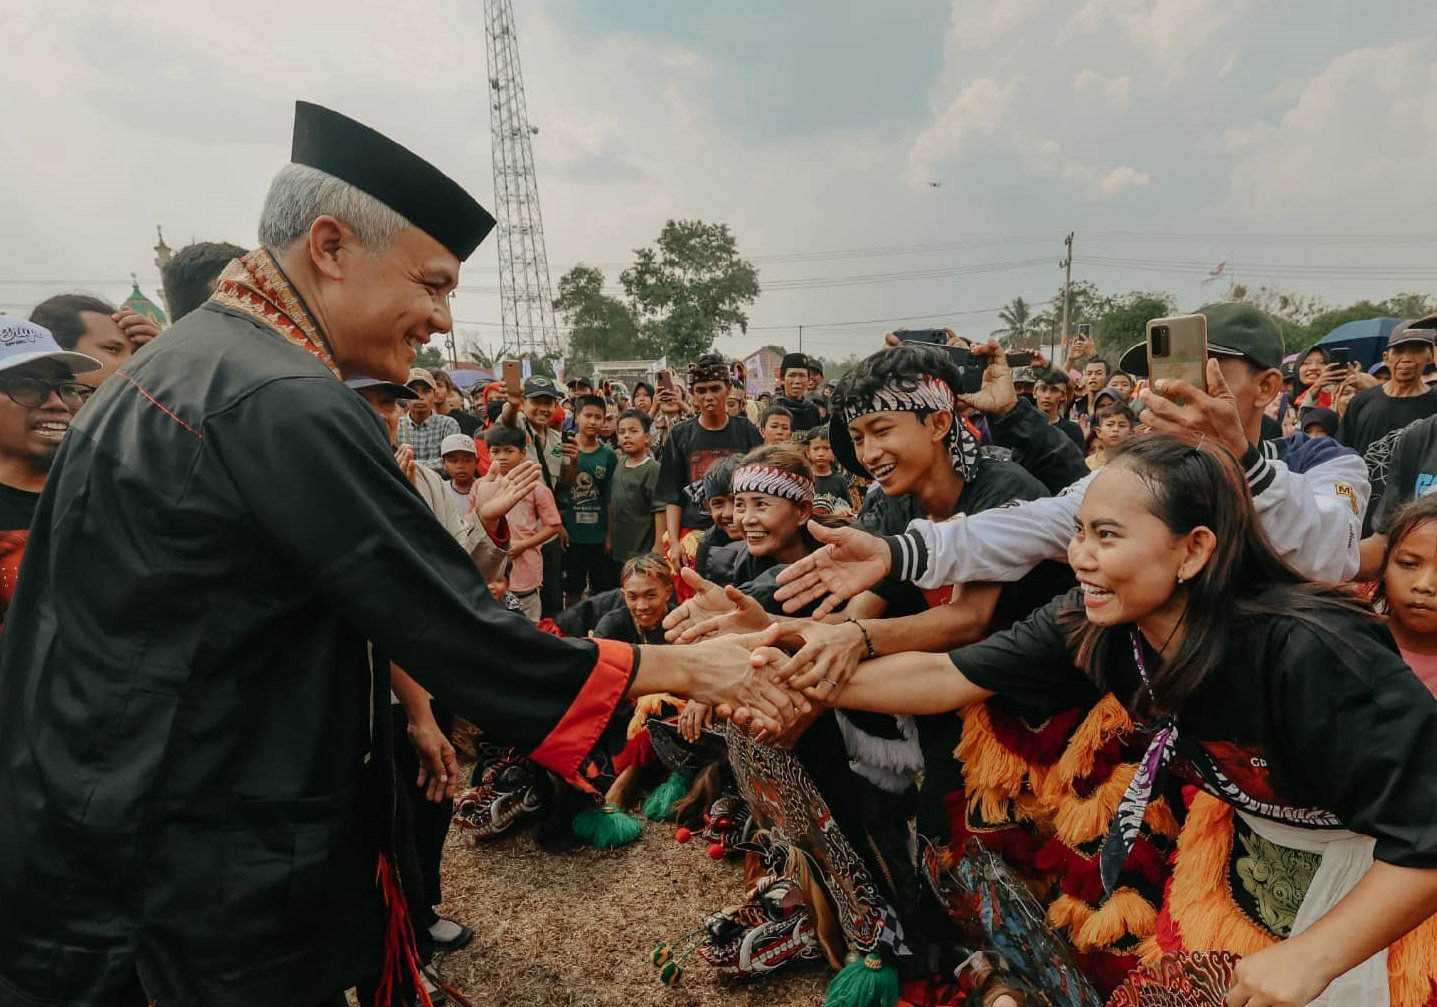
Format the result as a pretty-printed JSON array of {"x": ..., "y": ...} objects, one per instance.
[{"x": 1036, "y": 786}]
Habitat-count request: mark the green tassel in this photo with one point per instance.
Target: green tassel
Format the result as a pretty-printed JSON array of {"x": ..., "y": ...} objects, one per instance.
[
  {"x": 671, "y": 974},
  {"x": 661, "y": 955},
  {"x": 606, "y": 828},
  {"x": 864, "y": 982},
  {"x": 660, "y": 805}
]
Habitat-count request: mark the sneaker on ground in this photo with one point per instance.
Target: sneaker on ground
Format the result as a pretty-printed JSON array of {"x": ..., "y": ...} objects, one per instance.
[{"x": 448, "y": 935}]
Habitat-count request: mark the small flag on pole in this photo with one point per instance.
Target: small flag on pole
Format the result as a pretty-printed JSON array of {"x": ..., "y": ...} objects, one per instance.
[{"x": 1215, "y": 272}]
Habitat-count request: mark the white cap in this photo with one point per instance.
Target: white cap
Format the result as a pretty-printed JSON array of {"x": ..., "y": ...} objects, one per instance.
[
  {"x": 23, "y": 342},
  {"x": 457, "y": 442}
]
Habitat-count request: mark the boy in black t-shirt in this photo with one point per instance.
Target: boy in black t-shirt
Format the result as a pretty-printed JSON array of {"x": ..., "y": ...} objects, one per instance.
[
  {"x": 835, "y": 490},
  {"x": 692, "y": 446},
  {"x": 776, "y": 425}
]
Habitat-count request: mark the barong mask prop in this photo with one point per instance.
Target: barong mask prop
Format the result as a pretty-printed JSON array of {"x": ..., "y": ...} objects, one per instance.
[
  {"x": 510, "y": 788},
  {"x": 923, "y": 395}
]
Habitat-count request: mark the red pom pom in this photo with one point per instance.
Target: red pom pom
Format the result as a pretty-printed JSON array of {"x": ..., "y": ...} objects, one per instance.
[
  {"x": 716, "y": 851},
  {"x": 683, "y": 835}
]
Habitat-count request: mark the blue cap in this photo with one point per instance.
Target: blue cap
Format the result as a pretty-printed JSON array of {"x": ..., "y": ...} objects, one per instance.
[{"x": 23, "y": 342}]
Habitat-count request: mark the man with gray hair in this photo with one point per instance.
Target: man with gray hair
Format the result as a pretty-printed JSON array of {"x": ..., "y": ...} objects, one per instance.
[{"x": 224, "y": 562}]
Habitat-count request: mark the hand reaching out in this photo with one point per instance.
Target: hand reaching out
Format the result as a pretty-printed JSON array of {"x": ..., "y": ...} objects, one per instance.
[
  {"x": 694, "y": 720},
  {"x": 747, "y": 616},
  {"x": 850, "y": 562},
  {"x": 709, "y": 600}
]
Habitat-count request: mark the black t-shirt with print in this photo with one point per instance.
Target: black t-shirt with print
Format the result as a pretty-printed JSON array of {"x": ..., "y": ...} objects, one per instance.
[
  {"x": 1373, "y": 414},
  {"x": 689, "y": 450},
  {"x": 833, "y": 493},
  {"x": 1305, "y": 722}
]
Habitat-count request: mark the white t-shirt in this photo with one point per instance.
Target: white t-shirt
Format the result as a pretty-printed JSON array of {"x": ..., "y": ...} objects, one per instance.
[{"x": 461, "y": 500}]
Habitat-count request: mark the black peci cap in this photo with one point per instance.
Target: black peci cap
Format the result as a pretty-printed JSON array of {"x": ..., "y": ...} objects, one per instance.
[{"x": 400, "y": 179}]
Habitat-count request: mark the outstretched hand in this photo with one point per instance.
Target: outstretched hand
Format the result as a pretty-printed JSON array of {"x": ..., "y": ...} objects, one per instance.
[
  {"x": 748, "y": 616},
  {"x": 850, "y": 562},
  {"x": 735, "y": 675},
  {"x": 709, "y": 600}
]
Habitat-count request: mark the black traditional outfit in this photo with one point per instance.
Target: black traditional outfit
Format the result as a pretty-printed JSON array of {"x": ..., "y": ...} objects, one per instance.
[{"x": 194, "y": 671}]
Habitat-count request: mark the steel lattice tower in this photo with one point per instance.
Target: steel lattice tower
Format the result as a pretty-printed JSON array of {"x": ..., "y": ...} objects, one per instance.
[{"x": 526, "y": 300}]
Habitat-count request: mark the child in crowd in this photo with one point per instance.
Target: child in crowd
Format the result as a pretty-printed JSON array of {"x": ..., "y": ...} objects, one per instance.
[
  {"x": 1115, "y": 425},
  {"x": 499, "y": 588},
  {"x": 588, "y": 473},
  {"x": 718, "y": 551},
  {"x": 648, "y": 589},
  {"x": 1408, "y": 592},
  {"x": 776, "y": 425},
  {"x": 636, "y": 515},
  {"x": 532, "y": 522},
  {"x": 609, "y": 430},
  {"x": 461, "y": 462},
  {"x": 834, "y": 494}
]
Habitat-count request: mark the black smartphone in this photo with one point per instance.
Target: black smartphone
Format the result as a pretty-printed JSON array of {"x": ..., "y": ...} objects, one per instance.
[
  {"x": 1020, "y": 359},
  {"x": 567, "y": 437},
  {"x": 1339, "y": 355},
  {"x": 970, "y": 369},
  {"x": 930, "y": 337}
]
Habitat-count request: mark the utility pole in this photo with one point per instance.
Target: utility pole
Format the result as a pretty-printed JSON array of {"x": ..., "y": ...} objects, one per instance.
[
  {"x": 800, "y": 339},
  {"x": 1067, "y": 265}
]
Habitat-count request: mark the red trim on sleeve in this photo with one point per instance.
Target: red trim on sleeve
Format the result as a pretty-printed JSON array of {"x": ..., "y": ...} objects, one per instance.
[
  {"x": 500, "y": 535},
  {"x": 574, "y": 737}
]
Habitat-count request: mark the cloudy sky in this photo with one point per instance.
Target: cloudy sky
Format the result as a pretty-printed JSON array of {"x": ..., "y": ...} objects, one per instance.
[{"x": 1296, "y": 139}]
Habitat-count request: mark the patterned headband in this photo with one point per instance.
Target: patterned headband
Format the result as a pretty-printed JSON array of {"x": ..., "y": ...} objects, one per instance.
[
  {"x": 931, "y": 395},
  {"x": 717, "y": 371},
  {"x": 773, "y": 481}
]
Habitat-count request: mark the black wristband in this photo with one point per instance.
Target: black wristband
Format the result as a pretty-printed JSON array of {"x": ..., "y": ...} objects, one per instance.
[{"x": 867, "y": 640}]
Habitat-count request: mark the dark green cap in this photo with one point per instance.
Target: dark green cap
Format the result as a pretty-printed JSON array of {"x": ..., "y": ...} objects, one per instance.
[{"x": 1233, "y": 330}]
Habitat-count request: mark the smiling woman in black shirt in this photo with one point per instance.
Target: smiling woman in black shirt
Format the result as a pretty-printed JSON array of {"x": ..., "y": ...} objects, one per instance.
[{"x": 1285, "y": 702}]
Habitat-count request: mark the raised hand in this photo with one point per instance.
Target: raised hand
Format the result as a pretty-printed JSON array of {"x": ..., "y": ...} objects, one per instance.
[
  {"x": 138, "y": 329},
  {"x": 1213, "y": 415},
  {"x": 998, "y": 395},
  {"x": 850, "y": 562},
  {"x": 438, "y": 765},
  {"x": 509, "y": 490},
  {"x": 404, "y": 455}
]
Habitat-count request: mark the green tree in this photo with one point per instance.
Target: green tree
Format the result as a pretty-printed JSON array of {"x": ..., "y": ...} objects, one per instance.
[
  {"x": 600, "y": 327},
  {"x": 1409, "y": 305},
  {"x": 689, "y": 289},
  {"x": 1126, "y": 322},
  {"x": 431, "y": 358},
  {"x": 1015, "y": 316},
  {"x": 1329, "y": 320}
]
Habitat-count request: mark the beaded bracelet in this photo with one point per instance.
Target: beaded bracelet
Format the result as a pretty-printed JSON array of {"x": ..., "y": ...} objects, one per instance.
[{"x": 867, "y": 640}]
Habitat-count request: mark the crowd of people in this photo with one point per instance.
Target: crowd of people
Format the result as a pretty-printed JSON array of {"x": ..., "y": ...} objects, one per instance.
[{"x": 1173, "y": 670}]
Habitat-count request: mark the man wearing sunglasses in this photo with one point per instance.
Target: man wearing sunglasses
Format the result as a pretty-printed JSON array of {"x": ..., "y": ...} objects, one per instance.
[{"x": 38, "y": 396}]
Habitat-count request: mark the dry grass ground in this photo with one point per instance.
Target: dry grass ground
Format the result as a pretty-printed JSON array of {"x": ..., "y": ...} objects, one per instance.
[{"x": 577, "y": 929}]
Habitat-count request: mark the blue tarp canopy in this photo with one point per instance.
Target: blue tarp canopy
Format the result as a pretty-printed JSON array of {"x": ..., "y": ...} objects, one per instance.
[
  {"x": 1365, "y": 340},
  {"x": 465, "y": 379}
]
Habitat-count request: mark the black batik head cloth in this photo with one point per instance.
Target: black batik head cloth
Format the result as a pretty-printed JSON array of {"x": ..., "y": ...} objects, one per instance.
[
  {"x": 774, "y": 481},
  {"x": 923, "y": 395},
  {"x": 708, "y": 368}
]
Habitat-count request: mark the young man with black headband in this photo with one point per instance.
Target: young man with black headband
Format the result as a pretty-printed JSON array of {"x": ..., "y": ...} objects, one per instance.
[{"x": 693, "y": 445}]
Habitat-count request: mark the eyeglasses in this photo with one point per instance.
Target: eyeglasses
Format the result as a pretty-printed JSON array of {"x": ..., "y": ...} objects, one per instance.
[{"x": 32, "y": 393}]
